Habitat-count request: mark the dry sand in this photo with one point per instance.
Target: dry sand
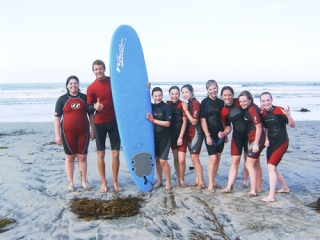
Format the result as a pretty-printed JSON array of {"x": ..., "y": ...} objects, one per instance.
[{"x": 33, "y": 191}]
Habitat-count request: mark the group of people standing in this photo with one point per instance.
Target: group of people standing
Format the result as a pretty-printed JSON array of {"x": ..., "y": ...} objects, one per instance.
[
  {"x": 79, "y": 118},
  {"x": 178, "y": 125},
  {"x": 187, "y": 123}
]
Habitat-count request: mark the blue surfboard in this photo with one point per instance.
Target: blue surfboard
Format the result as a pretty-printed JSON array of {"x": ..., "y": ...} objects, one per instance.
[{"x": 131, "y": 98}]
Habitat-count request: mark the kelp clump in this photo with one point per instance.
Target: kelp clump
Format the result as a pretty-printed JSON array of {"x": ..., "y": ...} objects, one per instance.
[
  {"x": 315, "y": 205},
  {"x": 4, "y": 223},
  {"x": 90, "y": 209}
]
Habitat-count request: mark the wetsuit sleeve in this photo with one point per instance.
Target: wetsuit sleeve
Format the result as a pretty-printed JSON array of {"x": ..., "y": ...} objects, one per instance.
[
  {"x": 90, "y": 100},
  {"x": 59, "y": 107},
  {"x": 224, "y": 116},
  {"x": 203, "y": 108},
  {"x": 168, "y": 112},
  {"x": 90, "y": 109}
]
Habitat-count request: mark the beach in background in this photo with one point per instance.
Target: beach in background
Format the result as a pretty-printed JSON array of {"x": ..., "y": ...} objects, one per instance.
[
  {"x": 36, "y": 102},
  {"x": 33, "y": 191}
]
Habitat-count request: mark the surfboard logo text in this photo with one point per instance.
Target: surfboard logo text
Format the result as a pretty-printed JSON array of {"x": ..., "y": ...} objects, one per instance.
[{"x": 119, "y": 56}]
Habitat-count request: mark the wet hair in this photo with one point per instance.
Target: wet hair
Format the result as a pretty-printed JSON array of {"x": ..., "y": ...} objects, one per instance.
[
  {"x": 98, "y": 62},
  {"x": 188, "y": 86},
  {"x": 264, "y": 93},
  {"x": 247, "y": 94},
  {"x": 227, "y": 88},
  {"x": 210, "y": 82},
  {"x": 69, "y": 79},
  {"x": 156, "y": 89},
  {"x": 174, "y": 87}
]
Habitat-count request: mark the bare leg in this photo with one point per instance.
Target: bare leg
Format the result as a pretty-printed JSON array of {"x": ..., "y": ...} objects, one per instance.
[
  {"x": 272, "y": 172},
  {"x": 182, "y": 167},
  {"x": 213, "y": 166},
  {"x": 233, "y": 172},
  {"x": 176, "y": 165},
  {"x": 159, "y": 173},
  {"x": 115, "y": 169},
  {"x": 259, "y": 175},
  {"x": 245, "y": 172},
  {"x": 102, "y": 171},
  {"x": 284, "y": 187},
  {"x": 250, "y": 162},
  {"x": 69, "y": 165},
  {"x": 82, "y": 165},
  {"x": 199, "y": 171},
  {"x": 167, "y": 172}
]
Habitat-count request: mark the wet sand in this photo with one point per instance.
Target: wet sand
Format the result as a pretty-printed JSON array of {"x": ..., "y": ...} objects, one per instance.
[{"x": 33, "y": 191}]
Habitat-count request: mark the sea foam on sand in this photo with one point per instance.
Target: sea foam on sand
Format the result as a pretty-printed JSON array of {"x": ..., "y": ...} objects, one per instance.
[{"x": 33, "y": 191}]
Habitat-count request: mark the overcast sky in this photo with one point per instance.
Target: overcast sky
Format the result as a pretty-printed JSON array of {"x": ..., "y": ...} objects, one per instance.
[{"x": 183, "y": 40}]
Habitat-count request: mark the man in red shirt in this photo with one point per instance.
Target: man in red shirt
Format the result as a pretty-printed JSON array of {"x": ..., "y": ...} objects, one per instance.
[{"x": 99, "y": 97}]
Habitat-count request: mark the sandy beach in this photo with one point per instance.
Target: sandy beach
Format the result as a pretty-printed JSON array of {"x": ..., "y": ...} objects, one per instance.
[{"x": 33, "y": 191}]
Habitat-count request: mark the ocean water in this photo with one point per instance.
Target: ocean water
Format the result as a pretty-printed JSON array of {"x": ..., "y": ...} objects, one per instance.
[{"x": 36, "y": 102}]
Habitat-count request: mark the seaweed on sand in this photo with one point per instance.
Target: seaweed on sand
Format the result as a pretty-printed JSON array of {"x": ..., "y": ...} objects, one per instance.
[
  {"x": 90, "y": 209},
  {"x": 315, "y": 205},
  {"x": 211, "y": 217},
  {"x": 4, "y": 222}
]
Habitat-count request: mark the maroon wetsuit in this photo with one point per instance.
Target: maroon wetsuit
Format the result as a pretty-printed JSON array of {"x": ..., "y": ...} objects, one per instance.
[
  {"x": 194, "y": 132},
  {"x": 275, "y": 121},
  {"x": 253, "y": 117},
  {"x": 235, "y": 114},
  {"x": 75, "y": 124}
]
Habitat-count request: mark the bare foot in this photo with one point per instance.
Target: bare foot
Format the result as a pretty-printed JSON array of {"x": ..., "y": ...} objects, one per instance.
[
  {"x": 226, "y": 190},
  {"x": 284, "y": 190},
  {"x": 211, "y": 190},
  {"x": 183, "y": 185},
  {"x": 84, "y": 185},
  {"x": 200, "y": 187},
  {"x": 71, "y": 188},
  {"x": 268, "y": 199},
  {"x": 245, "y": 184},
  {"x": 103, "y": 189},
  {"x": 159, "y": 184},
  {"x": 168, "y": 188},
  {"x": 117, "y": 187},
  {"x": 194, "y": 184}
]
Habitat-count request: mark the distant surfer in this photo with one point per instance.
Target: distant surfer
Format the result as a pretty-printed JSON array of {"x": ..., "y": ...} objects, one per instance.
[
  {"x": 100, "y": 99},
  {"x": 277, "y": 141},
  {"x": 72, "y": 129}
]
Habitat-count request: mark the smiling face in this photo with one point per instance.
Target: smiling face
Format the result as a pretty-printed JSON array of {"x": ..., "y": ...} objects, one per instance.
[
  {"x": 227, "y": 97},
  {"x": 266, "y": 101},
  {"x": 244, "y": 101},
  {"x": 73, "y": 87},
  {"x": 186, "y": 93},
  {"x": 174, "y": 95},
  {"x": 212, "y": 91},
  {"x": 99, "y": 70},
  {"x": 157, "y": 97}
]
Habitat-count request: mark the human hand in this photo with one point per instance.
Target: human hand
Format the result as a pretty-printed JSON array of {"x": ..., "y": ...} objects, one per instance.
[
  {"x": 286, "y": 111},
  {"x": 150, "y": 117},
  {"x": 255, "y": 148},
  {"x": 98, "y": 106},
  {"x": 185, "y": 105},
  {"x": 58, "y": 140}
]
